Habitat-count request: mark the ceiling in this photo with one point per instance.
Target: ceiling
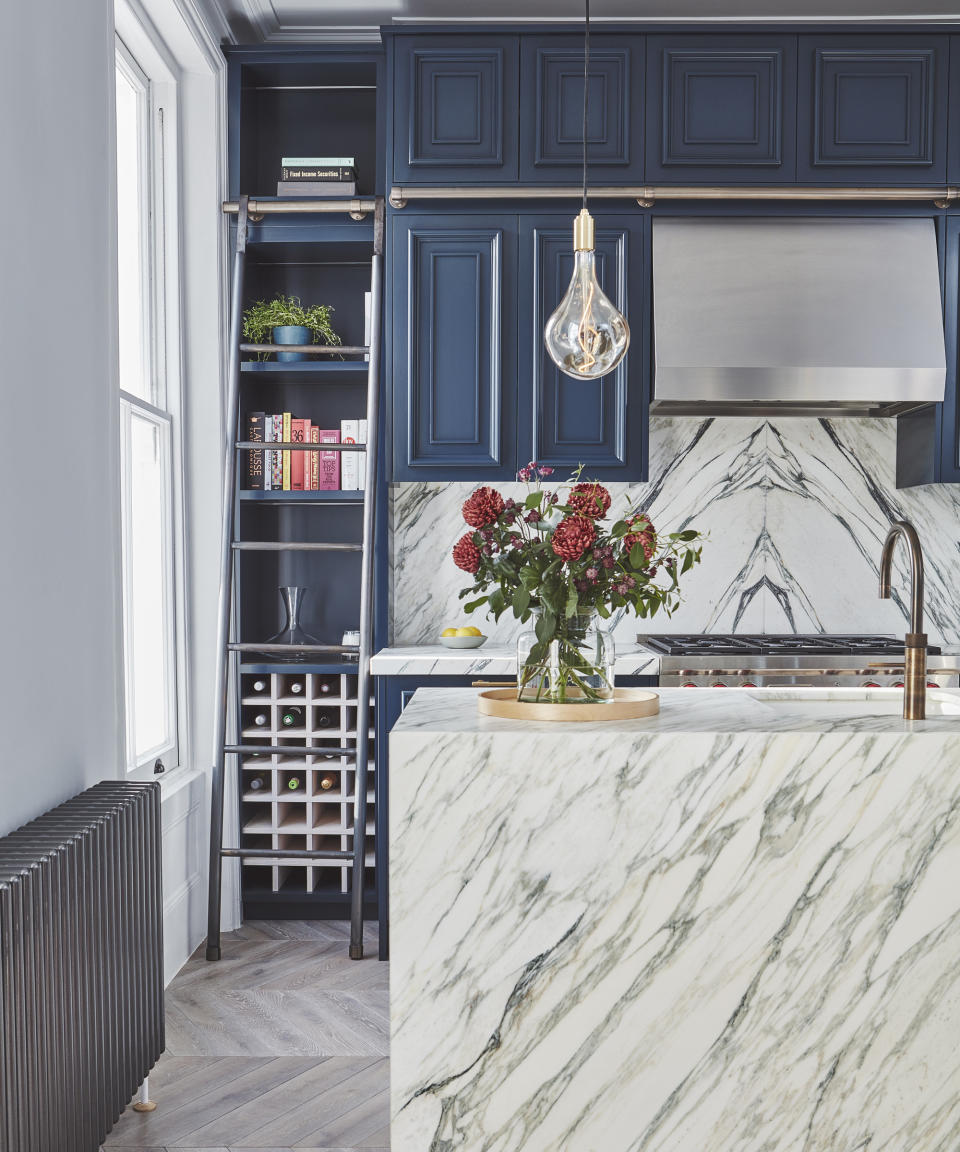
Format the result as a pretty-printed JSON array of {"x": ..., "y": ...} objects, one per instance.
[{"x": 255, "y": 20}]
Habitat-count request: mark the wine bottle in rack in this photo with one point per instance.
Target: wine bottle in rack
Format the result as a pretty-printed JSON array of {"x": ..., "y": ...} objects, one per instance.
[
  {"x": 257, "y": 784},
  {"x": 259, "y": 685},
  {"x": 322, "y": 721},
  {"x": 261, "y": 719},
  {"x": 296, "y": 687},
  {"x": 292, "y": 718},
  {"x": 325, "y": 688},
  {"x": 327, "y": 781},
  {"x": 294, "y": 783}
]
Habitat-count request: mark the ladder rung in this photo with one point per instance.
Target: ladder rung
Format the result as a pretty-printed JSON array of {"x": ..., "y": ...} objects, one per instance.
[
  {"x": 292, "y": 546},
  {"x": 292, "y": 749},
  {"x": 343, "y": 649},
  {"x": 310, "y": 349},
  {"x": 289, "y": 854},
  {"x": 296, "y": 446}
]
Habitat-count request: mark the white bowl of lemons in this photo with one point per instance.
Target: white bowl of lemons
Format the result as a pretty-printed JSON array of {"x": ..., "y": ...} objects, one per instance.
[{"x": 469, "y": 637}]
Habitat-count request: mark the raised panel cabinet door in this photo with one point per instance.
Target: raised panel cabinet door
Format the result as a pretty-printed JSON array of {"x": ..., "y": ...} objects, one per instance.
[
  {"x": 721, "y": 109},
  {"x": 456, "y": 112},
  {"x": 565, "y": 421},
  {"x": 551, "y": 109},
  {"x": 953, "y": 120},
  {"x": 873, "y": 109},
  {"x": 454, "y": 356}
]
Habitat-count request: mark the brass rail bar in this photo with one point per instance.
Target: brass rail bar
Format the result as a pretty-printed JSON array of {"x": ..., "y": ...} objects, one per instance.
[
  {"x": 647, "y": 196},
  {"x": 356, "y": 208}
]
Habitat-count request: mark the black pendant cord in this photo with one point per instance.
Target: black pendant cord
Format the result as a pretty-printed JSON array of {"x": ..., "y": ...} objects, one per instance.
[{"x": 586, "y": 93}]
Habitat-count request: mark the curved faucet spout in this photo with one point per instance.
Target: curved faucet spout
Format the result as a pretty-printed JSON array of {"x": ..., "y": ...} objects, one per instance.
[{"x": 900, "y": 528}]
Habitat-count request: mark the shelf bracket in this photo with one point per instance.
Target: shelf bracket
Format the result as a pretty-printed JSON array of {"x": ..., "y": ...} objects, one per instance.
[{"x": 647, "y": 198}]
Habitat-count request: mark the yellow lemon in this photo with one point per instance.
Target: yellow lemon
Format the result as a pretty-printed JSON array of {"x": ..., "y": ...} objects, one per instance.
[
  {"x": 464, "y": 632},
  {"x": 471, "y": 631},
  {"x": 449, "y": 632}
]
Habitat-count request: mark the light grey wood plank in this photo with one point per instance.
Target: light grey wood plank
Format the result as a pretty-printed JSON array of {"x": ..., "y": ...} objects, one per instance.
[{"x": 351, "y": 1127}]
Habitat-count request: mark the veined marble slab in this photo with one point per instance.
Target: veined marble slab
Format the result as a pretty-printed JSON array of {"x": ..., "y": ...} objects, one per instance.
[
  {"x": 490, "y": 660},
  {"x": 734, "y": 927}
]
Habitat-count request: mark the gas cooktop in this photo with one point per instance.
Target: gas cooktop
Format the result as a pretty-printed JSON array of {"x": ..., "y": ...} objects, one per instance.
[{"x": 773, "y": 645}]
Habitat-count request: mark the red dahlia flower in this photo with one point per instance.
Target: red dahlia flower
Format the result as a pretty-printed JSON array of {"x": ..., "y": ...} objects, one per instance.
[
  {"x": 573, "y": 536},
  {"x": 466, "y": 554},
  {"x": 592, "y": 500},
  {"x": 645, "y": 535},
  {"x": 483, "y": 507}
]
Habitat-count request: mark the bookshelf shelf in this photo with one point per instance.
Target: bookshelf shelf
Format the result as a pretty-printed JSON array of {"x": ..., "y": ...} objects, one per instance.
[
  {"x": 358, "y": 368},
  {"x": 329, "y": 497}
]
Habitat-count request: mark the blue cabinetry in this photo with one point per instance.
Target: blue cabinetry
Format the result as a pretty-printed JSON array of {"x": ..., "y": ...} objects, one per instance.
[
  {"x": 454, "y": 346},
  {"x": 475, "y": 394},
  {"x": 874, "y": 109},
  {"x": 600, "y": 423},
  {"x": 551, "y": 109},
  {"x": 721, "y": 109},
  {"x": 455, "y": 114}
]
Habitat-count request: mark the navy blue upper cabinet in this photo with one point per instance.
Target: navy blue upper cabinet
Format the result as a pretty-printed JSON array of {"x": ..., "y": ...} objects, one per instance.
[
  {"x": 563, "y": 421},
  {"x": 551, "y": 109},
  {"x": 454, "y": 366},
  {"x": 953, "y": 127},
  {"x": 721, "y": 109},
  {"x": 455, "y": 114},
  {"x": 874, "y": 109}
]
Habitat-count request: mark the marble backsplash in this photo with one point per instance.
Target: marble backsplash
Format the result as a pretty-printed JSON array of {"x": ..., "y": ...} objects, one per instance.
[{"x": 796, "y": 511}]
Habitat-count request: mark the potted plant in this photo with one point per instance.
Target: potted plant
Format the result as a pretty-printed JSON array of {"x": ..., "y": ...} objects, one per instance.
[
  {"x": 284, "y": 320},
  {"x": 553, "y": 555}
]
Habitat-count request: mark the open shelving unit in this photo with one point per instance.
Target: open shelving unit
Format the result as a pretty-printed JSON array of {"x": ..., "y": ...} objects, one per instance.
[{"x": 303, "y": 101}]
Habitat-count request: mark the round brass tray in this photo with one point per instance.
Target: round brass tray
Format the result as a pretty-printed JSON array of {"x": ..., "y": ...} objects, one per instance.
[{"x": 627, "y": 704}]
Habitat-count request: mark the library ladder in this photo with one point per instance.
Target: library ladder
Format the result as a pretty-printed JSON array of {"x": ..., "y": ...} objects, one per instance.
[{"x": 228, "y": 648}]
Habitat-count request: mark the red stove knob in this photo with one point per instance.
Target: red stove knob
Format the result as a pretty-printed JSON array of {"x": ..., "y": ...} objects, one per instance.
[
  {"x": 871, "y": 684},
  {"x": 899, "y": 684},
  {"x": 932, "y": 684},
  {"x": 718, "y": 684},
  {"x": 748, "y": 684},
  {"x": 689, "y": 684}
]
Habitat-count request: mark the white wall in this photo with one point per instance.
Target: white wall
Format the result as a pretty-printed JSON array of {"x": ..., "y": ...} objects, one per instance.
[
  {"x": 59, "y": 579},
  {"x": 61, "y": 666}
]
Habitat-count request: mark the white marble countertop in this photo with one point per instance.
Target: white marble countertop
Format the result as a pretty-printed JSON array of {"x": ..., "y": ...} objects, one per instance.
[
  {"x": 683, "y": 710},
  {"x": 488, "y": 660}
]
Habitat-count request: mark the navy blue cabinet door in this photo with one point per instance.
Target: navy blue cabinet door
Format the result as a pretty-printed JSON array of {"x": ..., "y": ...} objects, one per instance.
[
  {"x": 953, "y": 127},
  {"x": 950, "y": 413},
  {"x": 551, "y": 109},
  {"x": 721, "y": 109},
  {"x": 455, "y": 115},
  {"x": 874, "y": 109},
  {"x": 454, "y": 346},
  {"x": 565, "y": 422}
]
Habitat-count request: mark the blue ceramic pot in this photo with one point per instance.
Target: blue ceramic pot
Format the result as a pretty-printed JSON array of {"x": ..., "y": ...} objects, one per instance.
[{"x": 291, "y": 334}]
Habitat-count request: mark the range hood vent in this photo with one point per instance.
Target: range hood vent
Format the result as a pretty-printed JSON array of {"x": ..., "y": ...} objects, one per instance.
[{"x": 796, "y": 316}]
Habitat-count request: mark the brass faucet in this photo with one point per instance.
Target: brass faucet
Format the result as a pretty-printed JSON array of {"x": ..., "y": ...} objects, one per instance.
[{"x": 915, "y": 642}]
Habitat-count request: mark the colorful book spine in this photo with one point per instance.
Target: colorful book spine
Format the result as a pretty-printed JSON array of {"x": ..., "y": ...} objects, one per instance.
[
  {"x": 316, "y": 188},
  {"x": 329, "y": 461},
  {"x": 286, "y": 452},
  {"x": 318, "y": 161},
  {"x": 277, "y": 462},
  {"x": 297, "y": 461},
  {"x": 314, "y": 460},
  {"x": 362, "y": 456},
  {"x": 349, "y": 461},
  {"x": 316, "y": 172},
  {"x": 267, "y": 455},
  {"x": 255, "y": 458}
]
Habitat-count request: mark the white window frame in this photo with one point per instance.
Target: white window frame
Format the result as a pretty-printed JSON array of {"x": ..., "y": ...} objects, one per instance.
[{"x": 152, "y": 72}]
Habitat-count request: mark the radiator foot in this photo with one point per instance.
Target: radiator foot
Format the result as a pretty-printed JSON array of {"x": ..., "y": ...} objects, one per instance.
[
  {"x": 145, "y": 1106},
  {"x": 356, "y": 951}
]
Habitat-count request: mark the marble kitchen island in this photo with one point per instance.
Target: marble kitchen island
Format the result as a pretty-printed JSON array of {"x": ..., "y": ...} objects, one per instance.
[{"x": 733, "y": 927}]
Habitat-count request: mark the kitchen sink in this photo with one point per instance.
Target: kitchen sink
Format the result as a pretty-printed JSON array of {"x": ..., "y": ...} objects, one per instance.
[{"x": 875, "y": 701}]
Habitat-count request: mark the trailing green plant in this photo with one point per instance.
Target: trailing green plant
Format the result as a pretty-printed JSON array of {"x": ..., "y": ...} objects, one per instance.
[{"x": 260, "y": 319}]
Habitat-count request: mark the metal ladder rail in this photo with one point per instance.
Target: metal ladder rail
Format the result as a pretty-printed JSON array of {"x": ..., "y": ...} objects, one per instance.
[{"x": 227, "y": 651}]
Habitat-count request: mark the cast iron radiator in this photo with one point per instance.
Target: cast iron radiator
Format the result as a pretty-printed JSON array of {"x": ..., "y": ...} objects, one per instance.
[{"x": 81, "y": 967}]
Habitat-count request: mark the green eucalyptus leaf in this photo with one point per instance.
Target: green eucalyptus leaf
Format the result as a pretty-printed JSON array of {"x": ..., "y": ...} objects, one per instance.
[{"x": 474, "y": 604}]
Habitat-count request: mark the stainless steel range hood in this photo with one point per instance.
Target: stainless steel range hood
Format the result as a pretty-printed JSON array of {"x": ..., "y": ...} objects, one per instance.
[{"x": 796, "y": 316}]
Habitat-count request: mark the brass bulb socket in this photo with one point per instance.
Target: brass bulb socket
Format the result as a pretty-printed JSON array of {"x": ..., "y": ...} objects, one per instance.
[{"x": 584, "y": 233}]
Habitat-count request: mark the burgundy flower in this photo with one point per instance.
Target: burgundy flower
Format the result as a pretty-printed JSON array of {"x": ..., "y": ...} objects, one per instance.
[
  {"x": 592, "y": 500},
  {"x": 644, "y": 535},
  {"x": 483, "y": 507},
  {"x": 545, "y": 471},
  {"x": 573, "y": 536},
  {"x": 592, "y": 573},
  {"x": 466, "y": 554}
]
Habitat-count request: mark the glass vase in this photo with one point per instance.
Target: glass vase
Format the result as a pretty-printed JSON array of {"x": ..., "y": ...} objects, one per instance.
[
  {"x": 573, "y": 666},
  {"x": 292, "y": 632}
]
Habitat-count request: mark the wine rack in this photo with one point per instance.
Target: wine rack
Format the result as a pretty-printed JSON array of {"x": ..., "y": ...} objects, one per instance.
[{"x": 300, "y": 797}]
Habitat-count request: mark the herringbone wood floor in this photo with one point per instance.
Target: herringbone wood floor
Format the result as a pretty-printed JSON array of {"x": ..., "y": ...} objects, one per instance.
[{"x": 281, "y": 1045}]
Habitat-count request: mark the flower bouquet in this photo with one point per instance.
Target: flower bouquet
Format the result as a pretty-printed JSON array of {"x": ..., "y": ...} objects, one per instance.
[{"x": 554, "y": 556}]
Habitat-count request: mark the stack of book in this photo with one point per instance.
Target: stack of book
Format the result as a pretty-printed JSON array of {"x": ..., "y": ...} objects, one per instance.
[
  {"x": 287, "y": 470},
  {"x": 317, "y": 176}
]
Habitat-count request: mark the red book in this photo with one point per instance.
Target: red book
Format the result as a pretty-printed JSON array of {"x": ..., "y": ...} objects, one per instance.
[
  {"x": 329, "y": 461},
  {"x": 297, "y": 432},
  {"x": 314, "y": 460}
]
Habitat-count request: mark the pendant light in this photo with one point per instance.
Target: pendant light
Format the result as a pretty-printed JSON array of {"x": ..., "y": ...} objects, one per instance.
[{"x": 586, "y": 337}]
